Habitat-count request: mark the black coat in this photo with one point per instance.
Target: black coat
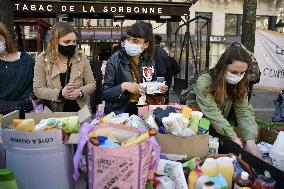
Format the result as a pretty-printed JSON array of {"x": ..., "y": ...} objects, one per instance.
[{"x": 118, "y": 70}]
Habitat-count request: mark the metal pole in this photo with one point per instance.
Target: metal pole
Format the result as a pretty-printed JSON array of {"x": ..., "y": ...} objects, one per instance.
[
  {"x": 208, "y": 42},
  {"x": 187, "y": 50}
]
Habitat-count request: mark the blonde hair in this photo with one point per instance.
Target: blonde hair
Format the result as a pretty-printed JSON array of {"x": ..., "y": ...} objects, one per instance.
[
  {"x": 10, "y": 47},
  {"x": 59, "y": 30}
]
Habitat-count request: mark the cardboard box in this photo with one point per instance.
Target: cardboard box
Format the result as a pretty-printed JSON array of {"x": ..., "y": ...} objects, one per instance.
[
  {"x": 188, "y": 147},
  {"x": 40, "y": 159},
  {"x": 266, "y": 135},
  {"x": 196, "y": 146}
]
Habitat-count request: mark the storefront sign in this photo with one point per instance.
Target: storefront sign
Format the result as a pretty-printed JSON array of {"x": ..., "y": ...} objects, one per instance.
[{"x": 77, "y": 7}]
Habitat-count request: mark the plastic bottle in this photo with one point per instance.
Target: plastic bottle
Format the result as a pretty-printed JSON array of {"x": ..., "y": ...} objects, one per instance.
[
  {"x": 203, "y": 126},
  {"x": 140, "y": 138},
  {"x": 193, "y": 123},
  {"x": 243, "y": 181},
  {"x": 226, "y": 168},
  {"x": 192, "y": 179},
  {"x": 7, "y": 180},
  {"x": 209, "y": 167}
]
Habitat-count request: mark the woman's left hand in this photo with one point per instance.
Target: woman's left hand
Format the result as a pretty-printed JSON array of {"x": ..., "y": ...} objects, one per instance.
[
  {"x": 74, "y": 94},
  {"x": 164, "y": 89},
  {"x": 252, "y": 148}
]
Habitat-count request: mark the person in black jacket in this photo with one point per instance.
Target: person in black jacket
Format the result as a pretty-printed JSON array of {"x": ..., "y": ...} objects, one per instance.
[
  {"x": 16, "y": 73},
  {"x": 166, "y": 65},
  {"x": 127, "y": 68}
]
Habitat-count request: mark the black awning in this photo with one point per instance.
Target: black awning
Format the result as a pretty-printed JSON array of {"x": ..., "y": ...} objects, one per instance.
[{"x": 103, "y": 9}]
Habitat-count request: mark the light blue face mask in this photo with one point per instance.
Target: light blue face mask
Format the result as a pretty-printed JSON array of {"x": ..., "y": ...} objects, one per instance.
[
  {"x": 133, "y": 49},
  {"x": 2, "y": 47}
]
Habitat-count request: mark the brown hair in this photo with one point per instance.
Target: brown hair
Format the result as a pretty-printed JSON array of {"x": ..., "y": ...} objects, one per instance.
[
  {"x": 219, "y": 88},
  {"x": 59, "y": 30},
  {"x": 10, "y": 47}
]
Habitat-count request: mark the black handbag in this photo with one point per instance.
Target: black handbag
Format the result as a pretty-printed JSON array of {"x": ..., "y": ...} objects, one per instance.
[{"x": 279, "y": 108}]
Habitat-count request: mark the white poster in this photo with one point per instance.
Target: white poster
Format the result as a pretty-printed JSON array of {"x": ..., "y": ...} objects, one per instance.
[{"x": 269, "y": 53}]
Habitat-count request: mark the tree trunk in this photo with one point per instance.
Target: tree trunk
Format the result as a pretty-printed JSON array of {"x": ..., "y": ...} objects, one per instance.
[
  {"x": 249, "y": 24},
  {"x": 6, "y": 17}
]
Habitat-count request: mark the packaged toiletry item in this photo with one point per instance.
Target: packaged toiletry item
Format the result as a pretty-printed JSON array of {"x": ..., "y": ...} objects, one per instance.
[
  {"x": 165, "y": 183},
  {"x": 203, "y": 126},
  {"x": 226, "y": 168},
  {"x": 140, "y": 138},
  {"x": 27, "y": 125},
  {"x": 193, "y": 123},
  {"x": 243, "y": 181},
  {"x": 209, "y": 167},
  {"x": 186, "y": 112},
  {"x": 149, "y": 118}
]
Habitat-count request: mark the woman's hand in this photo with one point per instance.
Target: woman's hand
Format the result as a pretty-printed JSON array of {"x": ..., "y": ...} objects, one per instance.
[
  {"x": 252, "y": 148},
  {"x": 164, "y": 89},
  {"x": 74, "y": 94},
  {"x": 238, "y": 141},
  {"x": 70, "y": 91},
  {"x": 133, "y": 88}
]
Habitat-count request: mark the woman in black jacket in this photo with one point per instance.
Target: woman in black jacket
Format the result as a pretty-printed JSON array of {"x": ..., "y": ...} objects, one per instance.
[
  {"x": 16, "y": 73},
  {"x": 129, "y": 67}
]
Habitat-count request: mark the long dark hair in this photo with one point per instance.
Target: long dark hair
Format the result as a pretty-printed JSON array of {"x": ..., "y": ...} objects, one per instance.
[
  {"x": 143, "y": 30},
  {"x": 219, "y": 88}
]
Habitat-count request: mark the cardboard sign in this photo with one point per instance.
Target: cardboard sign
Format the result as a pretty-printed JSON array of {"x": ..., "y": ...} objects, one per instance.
[{"x": 32, "y": 140}]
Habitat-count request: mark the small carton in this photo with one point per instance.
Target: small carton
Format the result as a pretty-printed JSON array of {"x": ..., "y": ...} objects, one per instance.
[{"x": 40, "y": 159}]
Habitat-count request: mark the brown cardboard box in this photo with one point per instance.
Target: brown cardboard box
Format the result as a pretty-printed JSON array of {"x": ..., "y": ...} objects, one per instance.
[
  {"x": 266, "y": 135},
  {"x": 196, "y": 146}
]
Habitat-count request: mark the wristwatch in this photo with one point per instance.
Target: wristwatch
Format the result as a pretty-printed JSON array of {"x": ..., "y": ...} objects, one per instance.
[{"x": 81, "y": 93}]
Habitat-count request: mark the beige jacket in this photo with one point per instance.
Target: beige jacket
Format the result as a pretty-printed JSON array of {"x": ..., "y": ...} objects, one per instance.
[{"x": 47, "y": 83}]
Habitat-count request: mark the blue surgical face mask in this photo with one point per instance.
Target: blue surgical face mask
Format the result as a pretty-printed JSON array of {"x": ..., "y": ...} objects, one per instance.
[
  {"x": 133, "y": 49},
  {"x": 2, "y": 47},
  {"x": 233, "y": 79}
]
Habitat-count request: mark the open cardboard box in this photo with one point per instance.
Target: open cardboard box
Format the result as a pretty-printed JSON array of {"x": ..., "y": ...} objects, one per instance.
[
  {"x": 187, "y": 147},
  {"x": 266, "y": 135},
  {"x": 40, "y": 156}
]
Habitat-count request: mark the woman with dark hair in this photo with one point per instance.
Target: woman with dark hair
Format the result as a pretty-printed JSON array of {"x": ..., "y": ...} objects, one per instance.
[
  {"x": 62, "y": 76},
  {"x": 127, "y": 68},
  {"x": 226, "y": 86},
  {"x": 16, "y": 73}
]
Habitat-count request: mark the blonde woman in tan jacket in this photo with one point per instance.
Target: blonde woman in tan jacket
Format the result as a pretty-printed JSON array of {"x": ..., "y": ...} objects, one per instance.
[{"x": 62, "y": 76}]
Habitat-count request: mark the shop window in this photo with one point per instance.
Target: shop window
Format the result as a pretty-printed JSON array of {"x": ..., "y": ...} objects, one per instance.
[
  {"x": 101, "y": 22},
  {"x": 231, "y": 24},
  {"x": 262, "y": 22},
  {"x": 199, "y": 23}
]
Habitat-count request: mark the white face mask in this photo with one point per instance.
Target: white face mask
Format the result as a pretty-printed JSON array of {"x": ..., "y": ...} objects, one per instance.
[
  {"x": 2, "y": 47},
  {"x": 233, "y": 79},
  {"x": 133, "y": 49}
]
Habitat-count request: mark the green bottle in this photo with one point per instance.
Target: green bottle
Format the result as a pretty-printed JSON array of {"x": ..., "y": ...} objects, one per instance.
[{"x": 7, "y": 179}]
